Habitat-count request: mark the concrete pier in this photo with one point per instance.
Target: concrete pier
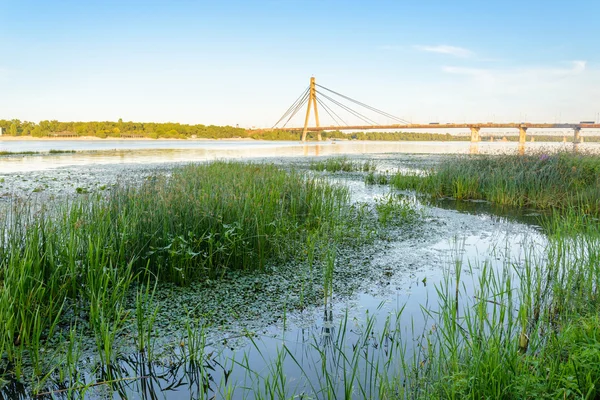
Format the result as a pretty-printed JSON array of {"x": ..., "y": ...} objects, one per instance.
[
  {"x": 577, "y": 135},
  {"x": 475, "y": 134},
  {"x": 522, "y": 134}
]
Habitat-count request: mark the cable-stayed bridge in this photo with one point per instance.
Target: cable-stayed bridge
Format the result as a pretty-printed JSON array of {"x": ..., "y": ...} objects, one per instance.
[{"x": 339, "y": 107}]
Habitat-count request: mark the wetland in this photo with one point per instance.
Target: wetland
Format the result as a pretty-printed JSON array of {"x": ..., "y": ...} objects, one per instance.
[{"x": 300, "y": 273}]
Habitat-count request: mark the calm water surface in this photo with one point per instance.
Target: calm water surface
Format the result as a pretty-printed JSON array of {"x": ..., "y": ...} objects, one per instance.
[{"x": 165, "y": 151}]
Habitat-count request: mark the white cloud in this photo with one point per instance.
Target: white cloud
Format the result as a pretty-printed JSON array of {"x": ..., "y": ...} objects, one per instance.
[
  {"x": 517, "y": 79},
  {"x": 566, "y": 91},
  {"x": 444, "y": 49}
]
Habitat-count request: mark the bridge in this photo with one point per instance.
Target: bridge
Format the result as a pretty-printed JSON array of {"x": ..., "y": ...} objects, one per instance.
[{"x": 310, "y": 99}]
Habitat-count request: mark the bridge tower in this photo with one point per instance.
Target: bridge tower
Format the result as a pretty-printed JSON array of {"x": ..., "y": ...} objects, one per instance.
[
  {"x": 312, "y": 101},
  {"x": 522, "y": 134}
]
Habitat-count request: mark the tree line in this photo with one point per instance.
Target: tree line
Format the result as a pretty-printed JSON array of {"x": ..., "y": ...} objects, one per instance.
[
  {"x": 170, "y": 130},
  {"x": 118, "y": 129},
  {"x": 109, "y": 129}
]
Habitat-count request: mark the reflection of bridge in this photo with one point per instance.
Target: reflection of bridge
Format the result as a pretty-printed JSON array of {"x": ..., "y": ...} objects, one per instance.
[{"x": 309, "y": 97}]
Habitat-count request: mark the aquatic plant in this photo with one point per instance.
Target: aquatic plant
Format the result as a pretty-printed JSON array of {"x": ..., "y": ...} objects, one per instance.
[
  {"x": 79, "y": 259},
  {"x": 343, "y": 164},
  {"x": 548, "y": 181},
  {"x": 528, "y": 329},
  {"x": 376, "y": 179}
]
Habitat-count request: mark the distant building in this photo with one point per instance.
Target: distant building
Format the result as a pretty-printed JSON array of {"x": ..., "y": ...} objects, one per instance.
[{"x": 0, "y": 131}]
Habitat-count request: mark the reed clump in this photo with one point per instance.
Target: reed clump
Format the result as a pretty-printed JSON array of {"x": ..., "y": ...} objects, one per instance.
[
  {"x": 561, "y": 180},
  {"x": 343, "y": 164},
  {"x": 75, "y": 263},
  {"x": 529, "y": 328}
]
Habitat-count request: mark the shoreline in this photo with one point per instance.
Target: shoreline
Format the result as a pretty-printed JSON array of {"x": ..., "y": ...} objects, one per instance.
[{"x": 108, "y": 139}]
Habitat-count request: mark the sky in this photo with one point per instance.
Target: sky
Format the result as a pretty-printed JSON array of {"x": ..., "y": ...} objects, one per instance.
[{"x": 245, "y": 62}]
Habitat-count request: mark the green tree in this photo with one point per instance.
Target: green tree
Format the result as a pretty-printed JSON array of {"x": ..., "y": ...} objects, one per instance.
[{"x": 13, "y": 130}]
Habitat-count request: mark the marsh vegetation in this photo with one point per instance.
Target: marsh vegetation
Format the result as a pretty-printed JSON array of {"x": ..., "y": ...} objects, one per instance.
[{"x": 91, "y": 288}]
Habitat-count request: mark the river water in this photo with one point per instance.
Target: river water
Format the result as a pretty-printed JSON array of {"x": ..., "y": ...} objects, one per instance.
[
  {"x": 99, "y": 152},
  {"x": 403, "y": 272}
]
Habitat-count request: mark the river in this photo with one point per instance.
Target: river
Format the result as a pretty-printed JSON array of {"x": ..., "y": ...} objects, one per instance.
[
  {"x": 402, "y": 272},
  {"x": 167, "y": 151}
]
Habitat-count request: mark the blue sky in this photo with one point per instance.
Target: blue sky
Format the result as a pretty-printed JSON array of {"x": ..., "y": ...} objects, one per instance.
[{"x": 244, "y": 62}]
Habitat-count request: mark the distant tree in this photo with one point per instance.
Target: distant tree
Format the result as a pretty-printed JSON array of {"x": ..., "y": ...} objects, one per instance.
[
  {"x": 37, "y": 131},
  {"x": 13, "y": 130}
]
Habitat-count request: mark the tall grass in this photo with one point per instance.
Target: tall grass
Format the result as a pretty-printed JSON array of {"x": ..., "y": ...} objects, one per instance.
[
  {"x": 544, "y": 181},
  {"x": 530, "y": 329},
  {"x": 201, "y": 221},
  {"x": 343, "y": 164}
]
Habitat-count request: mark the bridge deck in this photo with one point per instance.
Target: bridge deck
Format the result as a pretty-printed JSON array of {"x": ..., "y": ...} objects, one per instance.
[{"x": 450, "y": 126}]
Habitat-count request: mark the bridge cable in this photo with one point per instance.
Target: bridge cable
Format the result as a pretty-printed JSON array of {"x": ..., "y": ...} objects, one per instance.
[
  {"x": 294, "y": 107},
  {"x": 298, "y": 107},
  {"x": 329, "y": 111},
  {"x": 294, "y": 104},
  {"x": 334, "y": 113},
  {"x": 353, "y": 112},
  {"x": 366, "y": 106},
  {"x": 362, "y": 117}
]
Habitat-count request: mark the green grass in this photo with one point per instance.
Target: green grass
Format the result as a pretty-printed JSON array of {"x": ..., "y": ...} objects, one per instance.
[
  {"x": 28, "y": 153},
  {"x": 528, "y": 331},
  {"x": 13, "y": 153},
  {"x": 531, "y": 328},
  {"x": 53, "y": 151},
  {"x": 76, "y": 264},
  {"x": 343, "y": 164},
  {"x": 542, "y": 181},
  {"x": 376, "y": 179}
]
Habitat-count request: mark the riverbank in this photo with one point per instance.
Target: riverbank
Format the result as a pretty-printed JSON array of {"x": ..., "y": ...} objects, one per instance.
[{"x": 108, "y": 139}]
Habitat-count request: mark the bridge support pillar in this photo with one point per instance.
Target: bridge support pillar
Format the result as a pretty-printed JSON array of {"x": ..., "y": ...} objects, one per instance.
[
  {"x": 577, "y": 135},
  {"x": 522, "y": 134},
  {"x": 312, "y": 101},
  {"x": 475, "y": 134}
]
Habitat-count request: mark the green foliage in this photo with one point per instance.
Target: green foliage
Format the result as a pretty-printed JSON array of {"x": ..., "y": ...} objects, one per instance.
[
  {"x": 342, "y": 164},
  {"x": 532, "y": 329},
  {"x": 13, "y": 130},
  {"x": 376, "y": 179},
  {"x": 545, "y": 181},
  {"x": 121, "y": 129},
  {"x": 396, "y": 209},
  {"x": 199, "y": 222}
]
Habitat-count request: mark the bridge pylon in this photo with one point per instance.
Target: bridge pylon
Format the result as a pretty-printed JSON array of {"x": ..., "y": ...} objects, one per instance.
[{"x": 312, "y": 101}]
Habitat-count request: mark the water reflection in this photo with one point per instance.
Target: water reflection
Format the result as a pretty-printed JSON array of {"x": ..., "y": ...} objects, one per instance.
[{"x": 149, "y": 152}]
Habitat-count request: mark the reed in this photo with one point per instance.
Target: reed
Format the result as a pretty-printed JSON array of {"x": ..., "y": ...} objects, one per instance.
[
  {"x": 528, "y": 331},
  {"x": 343, "y": 164},
  {"x": 60, "y": 264},
  {"x": 544, "y": 181}
]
